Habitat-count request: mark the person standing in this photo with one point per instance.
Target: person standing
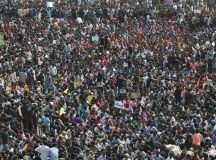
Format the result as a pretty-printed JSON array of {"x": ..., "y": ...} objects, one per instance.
[{"x": 197, "y": 140}]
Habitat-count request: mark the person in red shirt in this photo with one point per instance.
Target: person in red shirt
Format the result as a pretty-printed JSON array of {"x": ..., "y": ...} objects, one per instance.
[{"x": 197, "y": 140}]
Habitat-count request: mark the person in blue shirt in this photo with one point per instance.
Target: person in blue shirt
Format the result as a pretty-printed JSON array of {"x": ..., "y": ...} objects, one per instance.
[
  {"x": 158, "y": 156},
  {"x": 67, "y": 50},
  {"x": 54, "y": 153}
]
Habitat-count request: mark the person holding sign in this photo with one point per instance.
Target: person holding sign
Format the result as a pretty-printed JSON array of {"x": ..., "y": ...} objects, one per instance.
[{"x": 50, "y": 7}]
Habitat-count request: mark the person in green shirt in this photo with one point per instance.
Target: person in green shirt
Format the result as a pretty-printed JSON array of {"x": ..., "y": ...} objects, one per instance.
[{"x": 194, "y": 20}]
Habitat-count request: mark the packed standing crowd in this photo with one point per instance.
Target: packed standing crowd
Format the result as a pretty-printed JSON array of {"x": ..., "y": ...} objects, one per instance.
[{"x": 107, "y": 80}]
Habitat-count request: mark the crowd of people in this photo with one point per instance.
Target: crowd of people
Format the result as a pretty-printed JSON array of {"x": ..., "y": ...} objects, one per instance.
[{"x": 106, "y": 80}]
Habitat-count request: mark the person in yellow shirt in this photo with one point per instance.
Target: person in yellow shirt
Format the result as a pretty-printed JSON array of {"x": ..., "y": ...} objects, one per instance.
[
  {"x": 26, "y": 88},
  {"x": 61, "y": 111},
  {"x": 89, "y": 99}
]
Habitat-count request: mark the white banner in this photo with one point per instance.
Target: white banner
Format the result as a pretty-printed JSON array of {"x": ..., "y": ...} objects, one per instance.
[
  {"x": 123, "y": 105},
  {"x": 50, "y": 4},
  {"x": 119, "y": 105}
]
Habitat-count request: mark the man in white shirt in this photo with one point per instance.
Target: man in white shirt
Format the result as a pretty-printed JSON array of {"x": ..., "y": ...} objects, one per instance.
[{"x": 44, "y": 151}]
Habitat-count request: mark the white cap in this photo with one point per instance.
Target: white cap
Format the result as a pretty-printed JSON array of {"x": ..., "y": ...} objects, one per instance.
[{"x": 79, "y": 20}]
